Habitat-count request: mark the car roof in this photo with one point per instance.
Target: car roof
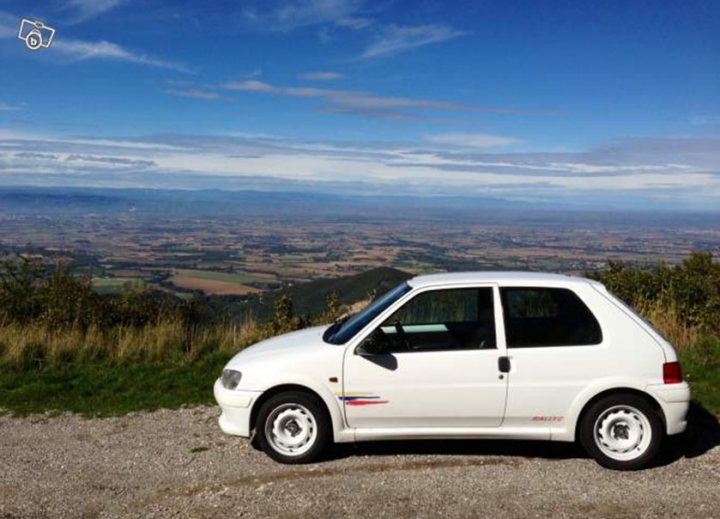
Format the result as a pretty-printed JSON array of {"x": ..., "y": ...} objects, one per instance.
[{"x": 506, "y": 278}]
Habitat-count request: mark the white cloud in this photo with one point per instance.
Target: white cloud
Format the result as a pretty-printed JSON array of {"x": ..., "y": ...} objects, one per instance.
[
  {"x": 582, "y": 167},
  {"x": 292, "y": 14},
  {"x": 179, "y": 82},
  {"x": 88, "y": 9},
  {"x": 82, "y": 50},
  {"x": 250, "y": 86},
  {"x": 5, "y": 107},
  {"x": 320, "y": 76},
  {"x": 394, "y": 39},
  {"x": 354, "y": 22},
  {"x": 472, "y": 140},
  {"x": 196, "y": 94},
  {"x": 198, "y": 161},
  {"x": 252, "y": 74},
  {"x": 110, "y": 161},
  {"x": 8, "y": 25},
  {"x": 357, "y": 102},
  {"x": 705, "y": 120}
]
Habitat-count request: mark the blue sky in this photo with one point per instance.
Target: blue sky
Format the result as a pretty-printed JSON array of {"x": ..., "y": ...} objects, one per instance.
[{"x": 612, "y": 103}]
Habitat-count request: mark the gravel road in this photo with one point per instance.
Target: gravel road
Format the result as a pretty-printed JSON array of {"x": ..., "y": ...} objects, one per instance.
[{"x": 176, "y": 463}]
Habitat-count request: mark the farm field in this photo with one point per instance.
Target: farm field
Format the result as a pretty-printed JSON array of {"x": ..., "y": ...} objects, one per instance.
[
  {"x": 117, "y": 285},
  {"x": 217, "y": 283},
  {"x": 244, "y": 255}
]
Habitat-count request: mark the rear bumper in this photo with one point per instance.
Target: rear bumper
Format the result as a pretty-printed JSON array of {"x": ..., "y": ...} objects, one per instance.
[
  {"x": 675, "y": 402},
  {"x": 236, "y": 406}
]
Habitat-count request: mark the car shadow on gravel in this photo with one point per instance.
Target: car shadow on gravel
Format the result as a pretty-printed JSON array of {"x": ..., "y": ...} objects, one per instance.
[
  {"x": 495, "y": 448},
  {"x": 702, "y": 435}
]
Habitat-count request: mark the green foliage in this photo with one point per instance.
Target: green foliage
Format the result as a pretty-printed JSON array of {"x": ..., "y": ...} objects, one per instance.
[
  {"x": 66, "y": 300},
  {"x": 691, "y": 288},
  {"x": 701, "y": 367},
  {"x": 311, "y": 298},
  {"x": 31, "y": 293},
  {"x": 332, "y": 308},
  {"x": 18, "y": 295},
  {"x": 284, "y": 319}
]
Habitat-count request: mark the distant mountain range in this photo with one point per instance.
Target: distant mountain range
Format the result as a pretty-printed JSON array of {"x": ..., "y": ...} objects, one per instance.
[
  {"x": 32, "y": 200},
  {"x": 284, "y": 204}
]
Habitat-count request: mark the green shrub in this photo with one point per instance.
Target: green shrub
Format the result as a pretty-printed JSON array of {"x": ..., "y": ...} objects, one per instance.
[
  {"x": 692, "y": 289},
  {"x": 284, "y": 319}
]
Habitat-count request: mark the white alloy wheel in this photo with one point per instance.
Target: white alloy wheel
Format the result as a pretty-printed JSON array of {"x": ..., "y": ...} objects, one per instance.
[
  {"x": 291, "y": 429},
  {"x": 622, "y": 433}
]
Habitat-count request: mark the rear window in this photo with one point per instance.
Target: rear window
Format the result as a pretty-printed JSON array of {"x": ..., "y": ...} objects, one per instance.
[{"x": 537, "y": 317}]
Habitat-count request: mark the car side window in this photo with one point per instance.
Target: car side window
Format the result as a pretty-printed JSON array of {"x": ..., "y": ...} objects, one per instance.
[
  {"x": 456, "y": 319},
  {"x": 536, "y": 317}
]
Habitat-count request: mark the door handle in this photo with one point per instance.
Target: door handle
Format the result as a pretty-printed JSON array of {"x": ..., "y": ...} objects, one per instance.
[{"x": 504, "y": 364}]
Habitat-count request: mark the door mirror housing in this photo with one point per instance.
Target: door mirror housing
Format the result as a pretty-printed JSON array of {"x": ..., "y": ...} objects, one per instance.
[{"x": 374, "y": 344}]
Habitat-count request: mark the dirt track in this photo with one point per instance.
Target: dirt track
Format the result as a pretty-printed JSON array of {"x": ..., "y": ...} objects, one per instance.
[{"x": 178, "y": 464}]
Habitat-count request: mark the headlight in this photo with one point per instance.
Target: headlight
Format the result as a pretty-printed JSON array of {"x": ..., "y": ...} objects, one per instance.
[{"x": 231, "y": 378}]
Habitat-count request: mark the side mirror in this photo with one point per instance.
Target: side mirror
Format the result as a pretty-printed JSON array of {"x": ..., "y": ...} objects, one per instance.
[{"x": 374, "y": 344}]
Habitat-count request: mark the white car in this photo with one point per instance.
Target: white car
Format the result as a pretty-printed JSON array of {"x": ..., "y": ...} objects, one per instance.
[{"x": 468, "y": 355}]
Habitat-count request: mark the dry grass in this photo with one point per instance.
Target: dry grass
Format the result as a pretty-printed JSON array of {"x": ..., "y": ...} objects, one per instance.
[
  {"x": 171, "y": 341},
  {"x": 666, "y": 319},
  {"x": 356, "y": 306},
  {"x": 26, "y": 346}
]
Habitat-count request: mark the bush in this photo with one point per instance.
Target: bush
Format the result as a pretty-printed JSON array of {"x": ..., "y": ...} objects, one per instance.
[
  {"x": 284, "y": 319},
  {"x": 55, "y": 298},
  {"x": 691, "y": 290}
]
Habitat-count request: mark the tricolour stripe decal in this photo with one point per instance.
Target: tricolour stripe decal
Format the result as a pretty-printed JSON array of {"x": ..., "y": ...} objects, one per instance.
[{"x": 351, "y": 398}]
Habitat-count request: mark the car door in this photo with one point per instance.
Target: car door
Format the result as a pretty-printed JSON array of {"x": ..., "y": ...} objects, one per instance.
[
  {"x": 437, "y": 364},
  {"x": 556, "y": 349}
]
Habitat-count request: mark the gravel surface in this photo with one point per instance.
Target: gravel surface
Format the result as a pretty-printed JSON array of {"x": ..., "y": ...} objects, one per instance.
[{"x": 177, "y": 463}]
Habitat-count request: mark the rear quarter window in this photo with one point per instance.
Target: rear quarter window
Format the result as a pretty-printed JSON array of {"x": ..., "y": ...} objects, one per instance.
[{"x": 537, "y": 317}]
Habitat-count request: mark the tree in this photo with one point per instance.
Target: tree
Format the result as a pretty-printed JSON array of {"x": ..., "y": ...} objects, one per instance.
[{"x": 284, "y": 319}]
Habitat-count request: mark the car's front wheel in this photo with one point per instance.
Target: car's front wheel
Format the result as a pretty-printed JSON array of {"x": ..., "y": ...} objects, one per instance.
[
  {"x": 293, "y": 427},
  {"x": 621, "y": 432}
]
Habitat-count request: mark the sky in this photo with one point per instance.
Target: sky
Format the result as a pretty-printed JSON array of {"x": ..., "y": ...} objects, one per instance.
[{"x": 576, "y": 103}]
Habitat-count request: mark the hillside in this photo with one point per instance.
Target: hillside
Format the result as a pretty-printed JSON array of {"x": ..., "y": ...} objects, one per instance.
[{"x": 310, "y": 298}]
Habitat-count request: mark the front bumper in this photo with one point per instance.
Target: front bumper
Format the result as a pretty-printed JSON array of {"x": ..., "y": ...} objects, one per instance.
[
  {"x": 675, "y": 402},
  {"x": 236, "y": 405}
]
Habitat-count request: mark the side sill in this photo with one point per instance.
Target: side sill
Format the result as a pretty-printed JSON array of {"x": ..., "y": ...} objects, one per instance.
[{"x": 432, "y": 433}]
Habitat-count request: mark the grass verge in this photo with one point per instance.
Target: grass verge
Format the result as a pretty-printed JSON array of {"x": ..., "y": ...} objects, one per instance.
[
  {"x": 701, "y": 364},
  {"x": 105, "y": 389}
]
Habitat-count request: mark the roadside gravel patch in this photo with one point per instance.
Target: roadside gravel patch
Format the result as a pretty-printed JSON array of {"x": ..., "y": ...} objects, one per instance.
[{"x": 177, "y": 463}]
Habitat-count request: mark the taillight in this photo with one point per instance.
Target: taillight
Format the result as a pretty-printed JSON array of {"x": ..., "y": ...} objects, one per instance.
[{"x": 672, "y": 373}]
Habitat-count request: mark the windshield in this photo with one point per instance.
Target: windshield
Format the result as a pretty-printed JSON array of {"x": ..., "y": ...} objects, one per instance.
[{"x": 343, "y": 331}]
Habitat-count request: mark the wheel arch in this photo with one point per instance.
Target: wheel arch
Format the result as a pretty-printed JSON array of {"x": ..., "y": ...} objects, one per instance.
[
  {"x": 333, "y": 414},
  {"x": 619, "y": 391}
]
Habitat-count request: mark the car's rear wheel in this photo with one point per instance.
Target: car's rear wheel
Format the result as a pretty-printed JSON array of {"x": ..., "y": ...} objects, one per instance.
[
  {"x": 621, "y": 432},
  {"x": 293, "y": 427}
]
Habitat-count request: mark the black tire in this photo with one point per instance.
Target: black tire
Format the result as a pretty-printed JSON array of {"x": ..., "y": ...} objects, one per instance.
[
  {"x": 634, "y": 448},
  {"x": 312, "y": 417}
]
